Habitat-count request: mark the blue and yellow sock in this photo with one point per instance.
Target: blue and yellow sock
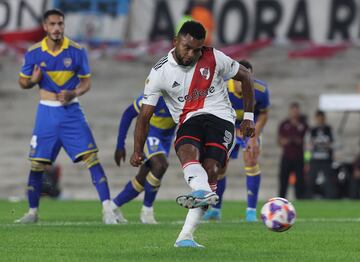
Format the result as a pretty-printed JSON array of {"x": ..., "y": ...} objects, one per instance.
[
  {"x": 151, "y": 187},
  {"x": 131, "y": 190},
  {"x": 34, "y": 188},
  {"x": 100, "y": 182},
  {"x": 35, "y": 183},
  {"x": 221, "y": 186},
  {"x": 253, "y": 178},
  {"x": 98, "y": 177}
]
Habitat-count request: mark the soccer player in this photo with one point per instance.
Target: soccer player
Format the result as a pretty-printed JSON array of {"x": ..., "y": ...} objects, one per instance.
[
  {"x": 157, "y": 147},
  {"x": 60, "y": 68},
  {"x": 250, "y": 146},
  {"x": 191, "y": 80}
]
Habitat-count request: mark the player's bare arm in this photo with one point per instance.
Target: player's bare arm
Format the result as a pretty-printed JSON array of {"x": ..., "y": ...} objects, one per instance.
[
  {"x": 65, "y": 96},
  {"x": 140, "y": 134},
  {"x": 28, "y": 83},
  {"x": 253, "y": 146},
  {"x": 120, "y": 154},
  {"x": 247, "y": 126}
]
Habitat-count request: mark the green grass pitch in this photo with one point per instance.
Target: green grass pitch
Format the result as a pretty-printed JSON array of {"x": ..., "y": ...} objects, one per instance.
[{"x": 72, "y": 231}]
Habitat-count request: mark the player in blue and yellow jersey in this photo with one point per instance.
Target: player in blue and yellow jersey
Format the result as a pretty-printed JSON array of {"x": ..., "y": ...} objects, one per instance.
[
  {"x": 157, "y": 147},
  {"x": 60, "y": 68},
  {"x": 250, "y": 146}
]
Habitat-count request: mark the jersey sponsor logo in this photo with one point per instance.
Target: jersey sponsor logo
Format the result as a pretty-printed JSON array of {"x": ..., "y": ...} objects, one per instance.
[
  {"x": 67, "y": 62},
  {"x": 43, "y": 64},
  {"x": 175, "y": 84},
  {"x": 196, "y": 94},
  {"x": 205, "y": 72}
]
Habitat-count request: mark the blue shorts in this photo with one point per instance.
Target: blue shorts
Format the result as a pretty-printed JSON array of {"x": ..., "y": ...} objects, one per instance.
[
  {"x": 240, "y": 143},
  {"x": 61, "y": 126},
  {"x": 156, "y": 144}
]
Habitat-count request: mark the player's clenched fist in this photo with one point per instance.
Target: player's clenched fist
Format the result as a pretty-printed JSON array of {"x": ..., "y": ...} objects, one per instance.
[
  {"x": 66, "y": 96},
  {"x": 137, "y": 159},
  {"x": 247, "y": 128}
]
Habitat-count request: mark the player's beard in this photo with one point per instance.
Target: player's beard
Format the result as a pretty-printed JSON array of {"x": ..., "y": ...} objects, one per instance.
[
  {"x": 181, "y": 61},
  {"x": 56, "y": 39}
]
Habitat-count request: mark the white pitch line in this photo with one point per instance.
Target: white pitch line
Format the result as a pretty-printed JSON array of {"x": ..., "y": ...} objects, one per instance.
[{"x": 177, "y": 222}]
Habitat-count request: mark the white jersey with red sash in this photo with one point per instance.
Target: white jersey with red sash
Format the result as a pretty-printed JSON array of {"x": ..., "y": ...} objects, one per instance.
[{"x": 193, "y": 90}]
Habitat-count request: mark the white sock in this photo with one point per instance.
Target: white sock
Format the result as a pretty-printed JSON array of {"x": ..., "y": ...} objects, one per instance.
[
  {"x": 113, "y": 206},
  {"x": 196, "y": 176},
  {"x": 33, "y": 210},
  {"x": 106, "y": 204},
  {"x": 147, "y": 209},
  {"x": 192, "y": 220}
]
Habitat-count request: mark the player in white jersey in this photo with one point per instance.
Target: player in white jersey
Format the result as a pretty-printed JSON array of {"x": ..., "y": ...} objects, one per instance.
[{"x": 191, "y": 80}]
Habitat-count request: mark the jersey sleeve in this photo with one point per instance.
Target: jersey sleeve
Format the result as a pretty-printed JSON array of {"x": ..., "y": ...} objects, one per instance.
[
  {"x": 152, "y": 90},
  {"x": 137, "y": 103},
  {"x": 264, "y": 101},
  {"x": 227, "y": 66},
  {"x": 84, "y": 68},
  {"x": 28, "y": 66}
]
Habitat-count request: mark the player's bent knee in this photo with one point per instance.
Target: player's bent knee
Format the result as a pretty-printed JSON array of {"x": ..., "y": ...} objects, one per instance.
[
  {"x": 37, "y": 166},
  {"x": 159, "y": 168},
  {"x": 90, "y": 160}
]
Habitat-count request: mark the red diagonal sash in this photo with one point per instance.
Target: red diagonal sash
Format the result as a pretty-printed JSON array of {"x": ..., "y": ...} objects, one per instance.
[{"x": 200, "y": 83}]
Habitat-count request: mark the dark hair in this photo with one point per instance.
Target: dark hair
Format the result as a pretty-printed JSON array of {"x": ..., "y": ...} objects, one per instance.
[
  {"x": 53, "y": 12},
  {"x": 193, "y": 28},
  {"x": 320, "y": 113},
  {"x": 246, "y": 63}
]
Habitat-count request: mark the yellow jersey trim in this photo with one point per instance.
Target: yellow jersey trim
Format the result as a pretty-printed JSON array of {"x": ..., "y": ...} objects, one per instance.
[
  {"x": 23, "y": 75},
  {"x": 162, "y": 122},
  {"x": 84, "y": 76},
  {"x": 231, "y": 88},
  {"x": 74, "y": 44},
  {"x": 45, "y": 48},
  {"x": 154, "y": 154},
  {"x": 259, "y": 87},
  {"x": 37, "y": 45},
  {"x": 136, "y": 107}
]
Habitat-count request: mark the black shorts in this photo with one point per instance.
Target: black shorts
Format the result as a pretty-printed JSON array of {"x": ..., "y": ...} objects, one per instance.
[{"x": 213, "y": 136}]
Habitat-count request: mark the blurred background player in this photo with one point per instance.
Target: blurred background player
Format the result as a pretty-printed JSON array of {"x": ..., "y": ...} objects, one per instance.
[
  {"x": 60, "y": 67},
  {"x": 291, "y": 135},
  {"x": 250, "y": 146},
  {"x": 157, "y": 147},
  {"x": 321, "y": 144},
  {"x": 191, "y": 80}
]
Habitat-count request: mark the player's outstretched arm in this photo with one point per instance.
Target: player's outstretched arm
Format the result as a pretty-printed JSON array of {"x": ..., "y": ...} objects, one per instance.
[
  {"x": 126, "y": 119},
  {"x": 247, "y": 84},
  {"x": 140, "y": 135}
]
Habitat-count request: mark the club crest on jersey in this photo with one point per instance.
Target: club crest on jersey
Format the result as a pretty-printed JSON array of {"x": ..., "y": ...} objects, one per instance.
[
  {"x": 205, "y": 72},
  {"x": 67, "y": 62}
]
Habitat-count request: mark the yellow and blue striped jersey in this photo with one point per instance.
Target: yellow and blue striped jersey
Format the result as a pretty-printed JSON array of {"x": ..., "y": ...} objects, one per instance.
[
  {"x": 261, "y": 97},
  {"x": 161, "y": 121},
  {"x": 61, "y": 70}
]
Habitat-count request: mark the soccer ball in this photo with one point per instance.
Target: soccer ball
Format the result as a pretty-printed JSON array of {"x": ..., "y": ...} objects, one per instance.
[{"x": 278, "y": 214}]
